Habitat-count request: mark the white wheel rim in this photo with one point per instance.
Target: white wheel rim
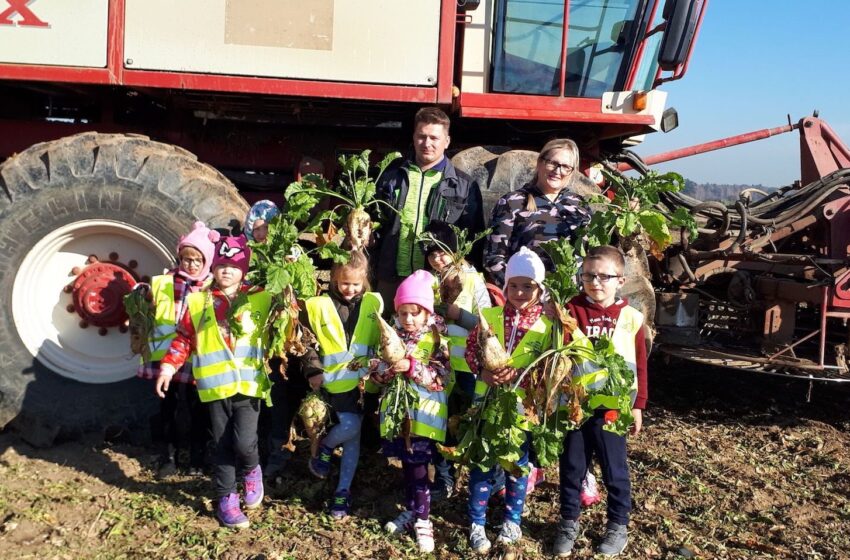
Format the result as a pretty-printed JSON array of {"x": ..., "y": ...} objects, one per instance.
[{"x": 47, "y": 329}]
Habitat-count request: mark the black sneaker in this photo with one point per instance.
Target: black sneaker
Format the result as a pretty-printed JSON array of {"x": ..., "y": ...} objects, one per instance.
[
  {"x": 440, "y": 492},
  {"x": 565, "y": 540},
  {"x": 166, "y": 469},
  {"x": 615, "y": 540}
]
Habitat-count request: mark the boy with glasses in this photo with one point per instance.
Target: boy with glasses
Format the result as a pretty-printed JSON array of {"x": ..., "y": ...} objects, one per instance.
[{"x": 599, "y": 312}]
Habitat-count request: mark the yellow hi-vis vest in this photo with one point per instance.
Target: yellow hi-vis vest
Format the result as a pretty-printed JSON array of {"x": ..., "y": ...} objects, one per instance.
[
  {"x": 531, "y": 345},
  {"x": 457, "y": 335},
  {"x": 219, "y": 372},
  {"x": 592, "y": 377},
  {"x": 430, "y": 417},
  {"x": 165, "y": 323},
  {"x": 165, "y": 320},
  {"x": 327, "y": 325}
]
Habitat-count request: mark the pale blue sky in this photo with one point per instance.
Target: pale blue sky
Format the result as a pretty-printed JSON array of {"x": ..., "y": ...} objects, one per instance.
[{"x": 756, "y": 61}]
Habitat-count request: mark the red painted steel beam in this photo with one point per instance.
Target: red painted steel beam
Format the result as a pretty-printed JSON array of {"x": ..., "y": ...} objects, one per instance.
[
  {"x": 115, "y": 41},
  {"x": 714, "y": 145},
  {"x": 630, "y": 81},
  {"x": 445, "y": 62},
  {"x": 535, "y": 107},
  {"x": 821, "y": 150}
]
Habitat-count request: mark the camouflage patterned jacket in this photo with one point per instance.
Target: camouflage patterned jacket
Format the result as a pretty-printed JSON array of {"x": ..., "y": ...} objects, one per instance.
[{"x": 514, "y": 226}]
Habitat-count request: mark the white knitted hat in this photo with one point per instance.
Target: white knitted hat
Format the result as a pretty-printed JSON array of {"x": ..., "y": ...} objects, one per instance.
[{"x": 525, "y": 263}]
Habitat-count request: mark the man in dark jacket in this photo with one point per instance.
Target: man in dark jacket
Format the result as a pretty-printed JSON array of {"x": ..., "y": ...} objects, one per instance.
[{"x": 426, "y": 188}]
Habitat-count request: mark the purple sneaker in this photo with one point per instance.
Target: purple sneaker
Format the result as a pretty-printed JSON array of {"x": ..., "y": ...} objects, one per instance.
[
  {"x": 254, "y": 488},
  {"x": 320, "y": 465},
  {"x": 229, "y": 514},
  {"x": 341, "y": 504}
]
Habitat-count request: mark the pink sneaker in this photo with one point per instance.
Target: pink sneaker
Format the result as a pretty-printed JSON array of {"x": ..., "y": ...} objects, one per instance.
[
  {"x": 535, "y": 478},
  {"x": 254, "y": 488},
  {"x": 589, "y": 491},
  {"x": 229, "y": 514}
]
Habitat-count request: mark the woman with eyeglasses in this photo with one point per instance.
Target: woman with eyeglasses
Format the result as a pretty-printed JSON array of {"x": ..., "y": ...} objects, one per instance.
[{"x": 542, "y": 210}]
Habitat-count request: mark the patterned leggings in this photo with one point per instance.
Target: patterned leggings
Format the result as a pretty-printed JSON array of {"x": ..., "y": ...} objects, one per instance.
[
  {"x": 346, "y": 434},
  {"x": 481, "y": 484}
]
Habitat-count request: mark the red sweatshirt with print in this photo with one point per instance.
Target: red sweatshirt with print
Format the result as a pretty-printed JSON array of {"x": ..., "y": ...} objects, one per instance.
[
  {"x": 183, "y": 344},
  {"x": 596, "y": 321}
]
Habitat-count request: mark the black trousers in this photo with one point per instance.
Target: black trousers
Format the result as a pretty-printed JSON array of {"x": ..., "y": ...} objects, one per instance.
[
  {"x": 275, "y": 421},
  {"x": 234, "y": 429},
  {"x": 580, "y": 447},
  {"x": 185, "y": 425}
]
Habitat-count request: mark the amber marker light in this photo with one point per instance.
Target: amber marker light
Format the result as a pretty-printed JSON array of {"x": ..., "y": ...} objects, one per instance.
[{"x": 639, "y": 100}]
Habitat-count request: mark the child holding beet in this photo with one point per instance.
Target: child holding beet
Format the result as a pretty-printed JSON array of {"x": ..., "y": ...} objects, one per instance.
[
  {"x": 523, "y": 331},
  {"x": 227, "y": 348},
  {"x": 599, "y": 312},
  {"x": 463, "y": 293},
  {"x": 425, "y": 370},
  {"x": 185, "y": 423},
  {"x": 345, "y": 324}
]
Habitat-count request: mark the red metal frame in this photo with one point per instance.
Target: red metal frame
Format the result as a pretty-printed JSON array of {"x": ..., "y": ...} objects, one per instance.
[
  {"x": 713, "y": 145},
  {"x": 526, "y": 107},
  {"x": 535, "y": 107},
  {"x": 648, "y": 32},
  {"x": 821, "y": 150},
  {"x": 563, "y": 77},
  {"x": 115, "y": 73}
]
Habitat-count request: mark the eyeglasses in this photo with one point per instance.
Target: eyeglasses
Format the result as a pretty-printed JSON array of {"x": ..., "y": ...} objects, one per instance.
[
  {"x": 603, "y": 278},
  {"x": 192, "y": 262},
  {"x": 561, "y": 168}
]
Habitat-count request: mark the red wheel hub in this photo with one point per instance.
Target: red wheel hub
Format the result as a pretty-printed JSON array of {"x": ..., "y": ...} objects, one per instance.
[{"x": 98, "y": 293}]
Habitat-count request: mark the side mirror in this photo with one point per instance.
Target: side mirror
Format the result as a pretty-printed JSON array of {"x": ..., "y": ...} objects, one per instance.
[
  {"x": 468, "y": 5},
  {"x": 681, "y": 17}
]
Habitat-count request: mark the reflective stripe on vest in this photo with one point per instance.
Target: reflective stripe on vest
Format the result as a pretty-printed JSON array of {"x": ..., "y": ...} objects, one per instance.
[
  {"x": 330, "y": 332},
  {"x": 219, "y": 372},
  {"x": 430, "y": 417},
  {"x": 592, "y": 377},
  {"x": 165, "y": 323},
  {"x": 537, "y": 339},
  {"x": 457, "y": 335}
]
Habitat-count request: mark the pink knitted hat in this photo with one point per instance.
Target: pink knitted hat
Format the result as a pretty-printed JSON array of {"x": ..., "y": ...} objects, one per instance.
[
  {"x": 417, "y": 288},
  {"x": 203, "y": 239},
  {"x": 232, "y": 251}
]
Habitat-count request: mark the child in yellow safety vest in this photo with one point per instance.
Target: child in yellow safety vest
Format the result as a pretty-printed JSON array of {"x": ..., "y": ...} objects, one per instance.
[
  {"x": 228, "y": 351},
  {"x": 525, "y": 332},
  {"x": 461, "y": 315},
  {"x": 345, "y": 324},
  {"x": 599, "y": 312},
  {"x": 426, "y": 370},
  {"x": 184, "y": 422}
]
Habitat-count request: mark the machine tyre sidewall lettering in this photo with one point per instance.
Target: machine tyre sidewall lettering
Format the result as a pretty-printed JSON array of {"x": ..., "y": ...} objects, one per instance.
[{"x": 155, "y": 189}]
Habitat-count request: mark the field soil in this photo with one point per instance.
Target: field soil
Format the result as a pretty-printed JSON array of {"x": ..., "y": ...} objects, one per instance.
[{"x": 729, "y": 465}]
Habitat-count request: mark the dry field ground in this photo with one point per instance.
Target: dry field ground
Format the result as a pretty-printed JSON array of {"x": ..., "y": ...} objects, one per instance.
[{"x": 730, "y": 465}]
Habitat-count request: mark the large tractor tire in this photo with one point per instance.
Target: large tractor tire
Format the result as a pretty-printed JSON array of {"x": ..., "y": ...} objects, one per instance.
[
  {"x": 81, "y": 220},
  {"x": 499, "y": 170}
]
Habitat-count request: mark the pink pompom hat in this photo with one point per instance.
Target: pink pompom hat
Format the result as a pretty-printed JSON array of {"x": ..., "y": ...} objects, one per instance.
[{"x": 417, "y": 288}]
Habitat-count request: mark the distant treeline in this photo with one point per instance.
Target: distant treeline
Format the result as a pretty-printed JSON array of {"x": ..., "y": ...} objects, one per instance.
[{"x": 714, "y": 191}]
